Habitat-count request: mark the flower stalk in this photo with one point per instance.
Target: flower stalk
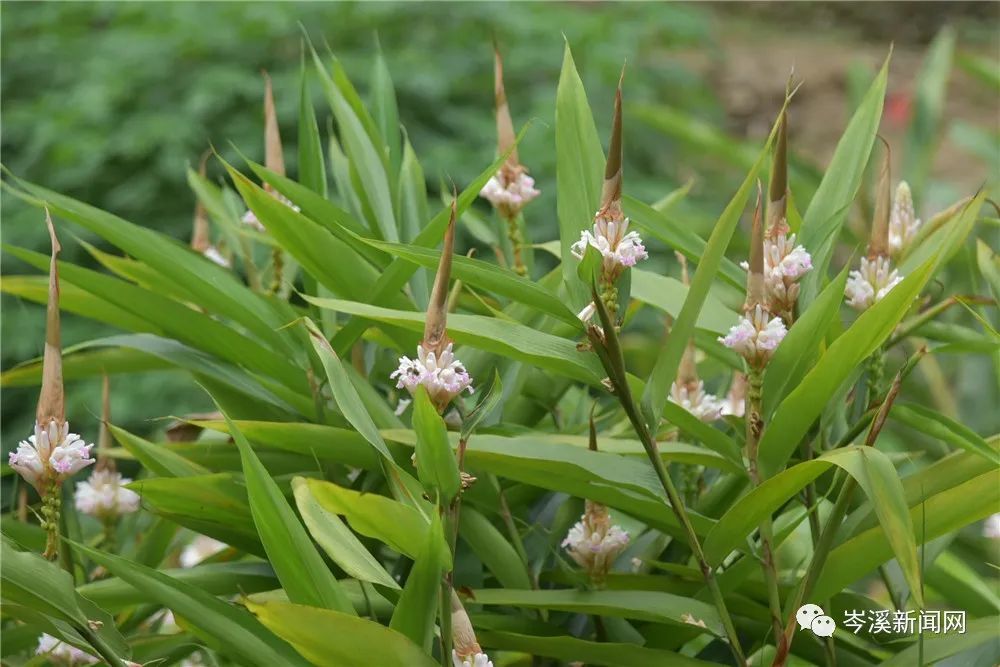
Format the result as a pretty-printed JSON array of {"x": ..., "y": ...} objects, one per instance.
[
  {"x": 605, "y": 343},
  {"x": 510, "y": 189}
]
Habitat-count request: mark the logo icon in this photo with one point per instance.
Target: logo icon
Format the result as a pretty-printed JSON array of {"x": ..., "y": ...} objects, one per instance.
[{"x": 812, "y": 617}]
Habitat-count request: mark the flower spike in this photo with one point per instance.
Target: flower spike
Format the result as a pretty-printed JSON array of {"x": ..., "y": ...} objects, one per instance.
[
  {"x": 875, "y": 277},
  {"x": 777, "y": 197},
  {"x": 51, "y": 401},
  {"x": 688, "y": 390},
  {"x": 201, "y": 239},
  {"x": 506, "y": 138},
  {"x": 878, "y": 246},
  {"x": 436, "y": 323},
  {"x": 611, "y": 190},
  {"x": 435, "y": 366},
  {"x": 756, "y": 292},
  {"x": 274, "y": 156}
]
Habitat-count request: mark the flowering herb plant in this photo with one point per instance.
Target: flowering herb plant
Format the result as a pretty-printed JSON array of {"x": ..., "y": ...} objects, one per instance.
[{"x": 415, "y": 456}]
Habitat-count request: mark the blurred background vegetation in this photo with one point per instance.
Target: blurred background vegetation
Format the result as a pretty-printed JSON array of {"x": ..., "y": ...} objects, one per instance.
[{"x": 111, "y": 102}]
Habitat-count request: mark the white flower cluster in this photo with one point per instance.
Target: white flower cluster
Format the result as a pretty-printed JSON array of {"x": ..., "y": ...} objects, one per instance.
[
  {"x": 619, "y": 247},
  {"x": 51, "y": 453},
  {"x": 756, "y": 336},
  {"x": 444, "y": 376},
  {"x": 509, "y": 193},
  {"x": 903, "y": 222},
  {"x": 991, "y": 527},
  {"x": 475, "y": 660},
  {"x": 250, "y": 218},
  {"x": 695, "y": 400},
  {"x": 199, "y": 549},
  {"x": 871, "y": 282},
  {"x": 60, "y": 653},
  {"x": 214, "y": 255},
  {"x": 593, "y": 542},
  {"x": 104, "y": 495}
]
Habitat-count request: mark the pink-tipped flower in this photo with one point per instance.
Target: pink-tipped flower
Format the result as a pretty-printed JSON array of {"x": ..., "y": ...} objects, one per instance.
[
  {"x": 509, "y": 190},
  {"x": 60, "y": 653},
  {"x": 620, "y": 248},
  {"x": 784, "y": 265},
  {"x": 871, "y": 282},
  {"x": 991, "y": 527},
  {"x": 903, "y": 221},
  {"x": 693, "y": 398},
  {"x": 104, "y": 495},
  {"x": 756, "y": 336},
  {"x": 444, "y": 376},
  {"x": 51, "y": 453},
  {"x": 594, "y": 543}
]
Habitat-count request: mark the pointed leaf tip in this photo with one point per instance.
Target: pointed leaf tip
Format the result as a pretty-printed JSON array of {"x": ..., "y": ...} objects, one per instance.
[
  {"x": 51, "y": 400},
  {"x": 879, "y": 244},
  {"x": 756, "y": 293},
  {"x": 611, "y": 193},
  {"x": 436, "y": 323},
  {"x": 274, "y": 158}
]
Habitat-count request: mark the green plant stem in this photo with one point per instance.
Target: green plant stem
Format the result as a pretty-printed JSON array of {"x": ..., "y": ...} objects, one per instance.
[
  {"x": 51, "y": 502},
  {"x": 516, "y": 244},
  {"x": 754, "y": 429},
  {"x": 917, "y": 321},
  {"x": 677, "y": 506},
  {"x": 609, "y": 351},
  {"x": 96, "y": 641}
]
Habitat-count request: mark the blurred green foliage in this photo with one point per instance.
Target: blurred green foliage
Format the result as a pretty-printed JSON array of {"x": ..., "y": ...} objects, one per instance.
[{"x": 110, "y": 102}]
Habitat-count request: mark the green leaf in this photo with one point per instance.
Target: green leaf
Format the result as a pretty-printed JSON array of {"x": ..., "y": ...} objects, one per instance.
[
  {"x": 312, "y": 169},
  {"x": 570, "y": 649},
  {"x": 989, "y": 266},
  {"x": 220, "y": 625},
  {"x": 707, "y": 435},
  {"x": 155, "y": 458},
  {"x": 364, "y": 154},
  {"x": 579, "y": 169},
  {"x": 200, "y": 364},
  {"x": 803, "y": 405},
  {"x": 924, "y": 132},
  {"x": 669, "y": 294},
  {"x": 310, "y": 244},
  {"x": 936, "y": 425},
  {"x": 490, "y": 277},
  {"x": 498, "y": 336},
  {"x": 487, "y": 404},
  {"x": 215, "y": 288},
  {"x": 300, "y": 568},
  {"x": 399, "y": 271},
  {"x": 824, "y": 218},
  {"x": 802, "y": 344},
  {"x": 679, "y": 236},
  {"x": 115, "y": 594},
  {"x": 214, "y": 505},
  {"x": 344, "y": 393},
  {"x": 385, "y": 109},
  {"x": 937, "y": 649},
  {"x": 436, "y": 464},
  {"x": 413, "y": 211},
  {"x": 940, "y": 514},
  {"x": 337, "y": 540},
  {"x": 417, "y": 608},
  {"x": 492, "y": 548},
  {"x": 85, "y": 364},
  {"x": 74, "y": 300},
  {"x": 399, "y": 526},
  {"x": 172, "y": 318},
  {"x": 668, "y": 360},
  {"x": 651, "y": 606},
  {"x": 873, "y": 472},
  {"x": 347, "y": 641},
  {"x": 313, "y": 440}
]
